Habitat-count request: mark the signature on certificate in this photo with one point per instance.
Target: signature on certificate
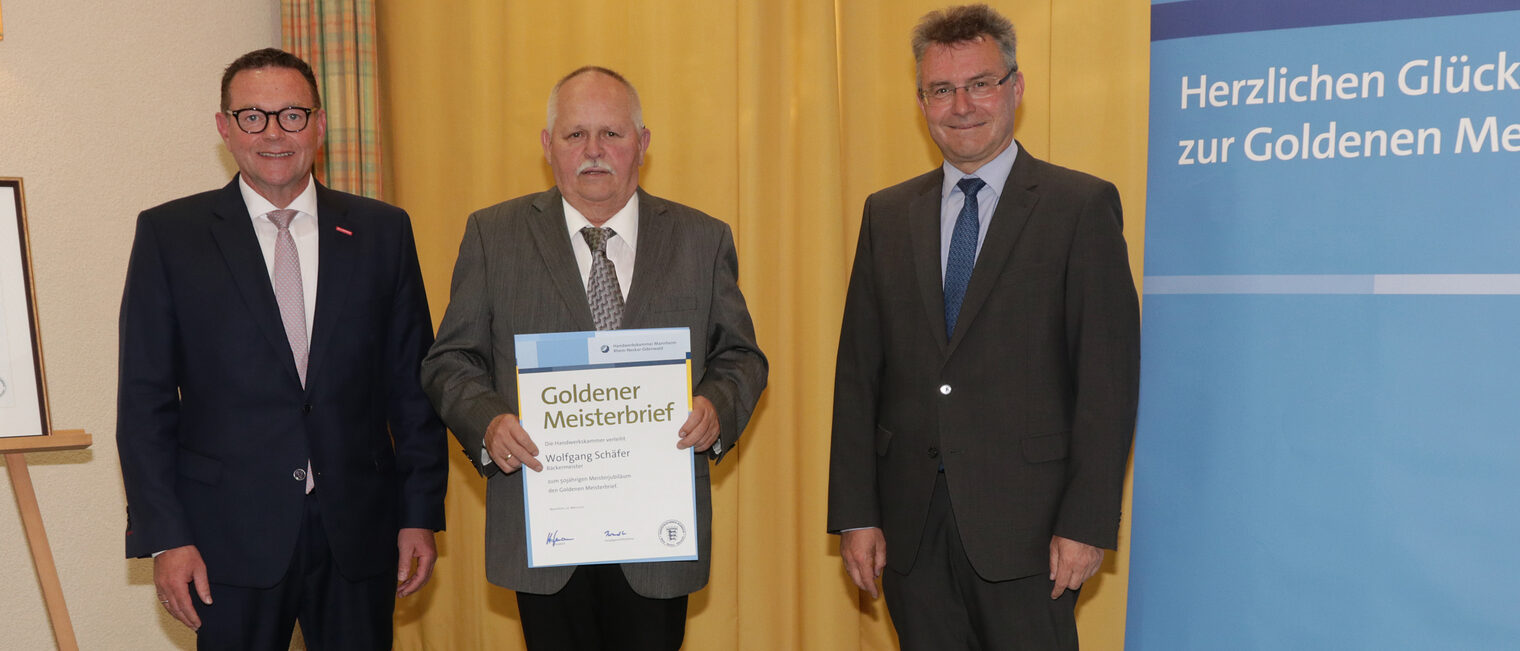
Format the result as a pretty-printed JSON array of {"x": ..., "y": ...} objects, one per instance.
[
  {"x": 555, "y": 540},
  {"x": 614, "y": 534}
]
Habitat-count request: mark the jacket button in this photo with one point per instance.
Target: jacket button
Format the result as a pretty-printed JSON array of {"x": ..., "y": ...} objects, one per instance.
[
  {"x": 299, "y": 474},
  {"x": 933, "y": 452},
  {"x": 306, "y": 408},
  {"x": 944, "y": 389}
]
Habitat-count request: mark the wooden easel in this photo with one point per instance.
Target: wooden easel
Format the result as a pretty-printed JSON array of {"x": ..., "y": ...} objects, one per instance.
[{"x": 15, "y": 450}]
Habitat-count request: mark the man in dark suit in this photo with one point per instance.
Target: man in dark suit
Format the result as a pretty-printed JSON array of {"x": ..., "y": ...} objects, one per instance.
[
  {"x": 278, "y": 453},
  {"x": 534, "y": 265},
  {"x": 988, "y": 369}
]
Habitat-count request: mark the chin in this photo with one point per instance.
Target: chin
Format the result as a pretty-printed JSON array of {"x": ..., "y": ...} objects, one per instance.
[{"x": 970, "y": 154}]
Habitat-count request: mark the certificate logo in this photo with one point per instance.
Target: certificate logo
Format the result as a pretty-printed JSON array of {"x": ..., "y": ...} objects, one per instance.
[{"x": 672, "y": 533}]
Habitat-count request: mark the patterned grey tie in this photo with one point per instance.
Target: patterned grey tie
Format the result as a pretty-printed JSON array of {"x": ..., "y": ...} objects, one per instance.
[
  {"x": 287, "y": 288},
  {"x": 602, "y": 291},
  {"x": 292, "y": 299}
]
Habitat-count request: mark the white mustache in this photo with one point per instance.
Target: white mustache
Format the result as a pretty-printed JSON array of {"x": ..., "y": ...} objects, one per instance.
[{"x": 595, "y": 164}]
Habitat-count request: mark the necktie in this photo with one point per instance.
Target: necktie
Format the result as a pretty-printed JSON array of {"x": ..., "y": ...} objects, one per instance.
[
  {"x": 292, "y": 299},
  {"x": 287, "y": 288},
  {"x": 602, "y": 291},
  {"x": 962, "y": 253}
]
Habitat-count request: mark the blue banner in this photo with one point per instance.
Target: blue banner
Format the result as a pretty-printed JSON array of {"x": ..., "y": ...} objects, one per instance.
[{"x": 1327, "y": 454}]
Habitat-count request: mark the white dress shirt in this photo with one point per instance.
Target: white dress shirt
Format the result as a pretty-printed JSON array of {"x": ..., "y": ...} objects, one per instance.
[
  {"x": 303, "y": 229},
  {"x": 620, "y": 247}
]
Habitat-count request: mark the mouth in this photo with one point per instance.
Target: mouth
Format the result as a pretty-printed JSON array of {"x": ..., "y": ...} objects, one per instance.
[{"x": 283, "y": 154}]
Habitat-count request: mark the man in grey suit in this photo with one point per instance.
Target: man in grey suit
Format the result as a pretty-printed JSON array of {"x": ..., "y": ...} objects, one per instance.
[
  {"x": 536, "y": 264},
  {"x": 988, "y": 369}
]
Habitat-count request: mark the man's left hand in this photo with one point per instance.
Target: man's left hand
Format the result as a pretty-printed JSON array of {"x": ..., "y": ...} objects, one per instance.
[
  {"x": 1071, "y": 564},
  {"x": 416, "y": 544},
  {"x": 701, "y": 428}
]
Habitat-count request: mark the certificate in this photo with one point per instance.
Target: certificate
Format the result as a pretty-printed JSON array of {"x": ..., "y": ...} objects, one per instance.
[{"x": 605, "y": 409}]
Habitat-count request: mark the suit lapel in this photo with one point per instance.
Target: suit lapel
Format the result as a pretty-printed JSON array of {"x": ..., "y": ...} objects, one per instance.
[
  {"x": 547, "y": 226},
  {"x": 655, "y": 240},
  {"x": 337, "y": 254},
  {"x": 1013, "y": 210},
  {"x": 923, "y": 223},
  {"x": 232, "y": 229}
]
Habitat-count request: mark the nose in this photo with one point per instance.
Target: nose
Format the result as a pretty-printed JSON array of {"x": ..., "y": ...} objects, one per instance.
[
  {"x": 594, "y": 146},
  {"x": 961, "y": 102}
]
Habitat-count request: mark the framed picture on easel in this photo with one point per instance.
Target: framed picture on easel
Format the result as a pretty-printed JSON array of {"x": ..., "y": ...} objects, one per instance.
[
  {"x": 24, "y": 425},
  {"x": 23, "y": 391}
]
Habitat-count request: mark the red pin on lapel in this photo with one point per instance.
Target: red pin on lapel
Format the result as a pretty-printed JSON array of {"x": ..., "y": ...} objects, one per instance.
[{"x": 343, "y": 230}]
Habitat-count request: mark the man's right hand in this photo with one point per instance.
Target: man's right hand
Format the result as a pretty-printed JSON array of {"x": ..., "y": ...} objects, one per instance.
[
  {"x": 865, "y": 553},
  {"x": 509, "y": 446},
  {"x": 173, "y": 572}
]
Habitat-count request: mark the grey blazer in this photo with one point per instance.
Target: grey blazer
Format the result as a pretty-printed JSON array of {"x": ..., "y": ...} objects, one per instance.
[
  {"x": 516, "y": 273},
  {"x": 1030, "y": 405}
]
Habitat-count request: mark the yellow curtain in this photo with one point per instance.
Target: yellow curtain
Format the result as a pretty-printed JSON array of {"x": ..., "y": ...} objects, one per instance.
[
  {"x": 779, "y": 117},
  {"x": 337, "y": 37}
]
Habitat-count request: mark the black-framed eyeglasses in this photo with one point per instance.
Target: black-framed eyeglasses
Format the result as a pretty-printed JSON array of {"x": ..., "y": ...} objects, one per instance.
[
  {"x": 292, "y": 119},
  {"x": 977, "y": 89}
]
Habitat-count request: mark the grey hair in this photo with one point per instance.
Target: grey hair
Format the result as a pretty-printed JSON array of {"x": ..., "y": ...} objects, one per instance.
[
  {"x": 638, "y": 108},
  {"x": 965, "y": 24}
]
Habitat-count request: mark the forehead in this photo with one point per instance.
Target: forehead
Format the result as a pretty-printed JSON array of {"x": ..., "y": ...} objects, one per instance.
[
  {"x": 593, "y": 98},
  {"x": 961, "y": 61},
  {"x": 271, "y": 85}
]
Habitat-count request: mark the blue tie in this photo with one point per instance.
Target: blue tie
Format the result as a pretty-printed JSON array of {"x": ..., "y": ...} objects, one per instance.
[{"x": 962, "y": 253}]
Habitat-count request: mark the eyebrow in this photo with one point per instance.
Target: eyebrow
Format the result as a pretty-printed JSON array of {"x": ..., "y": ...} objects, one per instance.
[{"x": 985, "y": 75}]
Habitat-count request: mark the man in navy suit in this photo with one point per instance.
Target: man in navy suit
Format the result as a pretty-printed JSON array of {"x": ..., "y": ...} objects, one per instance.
[{"x": 281, "y": 462}]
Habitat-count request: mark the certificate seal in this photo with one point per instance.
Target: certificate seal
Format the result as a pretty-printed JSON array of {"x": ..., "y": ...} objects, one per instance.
[{"x": 672, "y": 533}]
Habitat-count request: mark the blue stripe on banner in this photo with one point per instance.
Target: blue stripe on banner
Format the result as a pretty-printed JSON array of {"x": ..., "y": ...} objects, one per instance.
[
  {"x": 1406, "y": 284},
  {"x": 1171, "y": 20},
  {"x": 582, "y": 367}
]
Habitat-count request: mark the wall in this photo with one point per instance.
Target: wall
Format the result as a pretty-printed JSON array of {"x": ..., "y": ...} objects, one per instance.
[{"x": 102, "y": 114}]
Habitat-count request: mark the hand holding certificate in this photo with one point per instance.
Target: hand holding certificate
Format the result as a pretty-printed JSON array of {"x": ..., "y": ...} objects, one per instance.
[{"x": 605, "y": 410}]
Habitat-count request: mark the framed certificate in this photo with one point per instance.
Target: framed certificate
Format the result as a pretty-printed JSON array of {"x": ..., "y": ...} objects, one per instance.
[
  {"x": 605, "y": 409},
  {"x": 23, "y": 396}
]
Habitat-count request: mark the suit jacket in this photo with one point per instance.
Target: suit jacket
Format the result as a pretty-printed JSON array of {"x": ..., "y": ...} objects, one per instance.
[
  {"x": 516, "y": 274},
  {"x": 212, "y": 420},
  {"x": 1030, "y": 406}
]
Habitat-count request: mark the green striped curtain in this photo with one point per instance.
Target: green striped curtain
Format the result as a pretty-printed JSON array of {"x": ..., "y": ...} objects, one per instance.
[{"x": 337, "y": 37}]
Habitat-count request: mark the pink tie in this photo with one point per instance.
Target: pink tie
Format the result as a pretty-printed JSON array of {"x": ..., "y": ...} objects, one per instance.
[
  {"x": 292, "y": 299},
  {"x": 287, "y": 288}
]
